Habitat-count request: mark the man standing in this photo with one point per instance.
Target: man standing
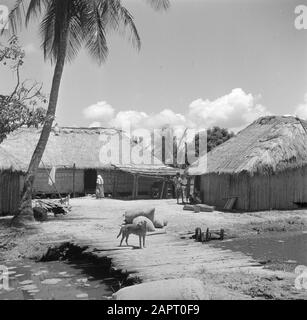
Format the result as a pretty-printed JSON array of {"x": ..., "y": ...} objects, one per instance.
[
  {"x": 178, "y": 187},
  {"x": 99, "y": 187}
]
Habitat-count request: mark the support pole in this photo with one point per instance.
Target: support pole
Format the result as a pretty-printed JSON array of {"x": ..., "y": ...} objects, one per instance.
[
  {"x": 114, "y": 184},
  {"x": 137, "y": 187},
  {"x": 73, "y": 180},
  {"x": 162, "y": 191},
  {"x": 134, "y": 187}
]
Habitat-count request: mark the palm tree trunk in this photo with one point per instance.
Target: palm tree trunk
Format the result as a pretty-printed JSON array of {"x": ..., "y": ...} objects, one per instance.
[{"x": 25, "y": 212}]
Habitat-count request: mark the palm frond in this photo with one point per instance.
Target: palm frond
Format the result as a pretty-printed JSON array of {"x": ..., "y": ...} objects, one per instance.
[
  {"x": 61, "y": 15},
  {"x": 94, "y": 29},
  {"x": 47, "y": 31},
  {"x": 117, "y": 18},
  {"x": 35, "y": 8},
  {"x": 84, "y": 21},
  {"x": 127, "y": 20},
  {"x": 75, "y": 38}
]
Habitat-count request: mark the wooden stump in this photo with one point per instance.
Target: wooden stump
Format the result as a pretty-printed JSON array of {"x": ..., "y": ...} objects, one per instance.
[
  {"x": 208, "y": 235},
  {"x": 40, "y": 214},
  {"x": 222, "y": 234},
  {"x": 198, "y": 234},
  {"x": 203, "y": 237}
]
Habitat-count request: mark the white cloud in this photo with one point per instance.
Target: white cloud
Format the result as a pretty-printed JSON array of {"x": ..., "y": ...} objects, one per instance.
[
  {"x": 131, "y": 117},
  {"x": 165, "y": 118},
  {"x": 301, "y": 110},
  {"x": 138, "y": 119},
  {"x": 233, "y": 111},
  {"x": 100, "y": 111}
]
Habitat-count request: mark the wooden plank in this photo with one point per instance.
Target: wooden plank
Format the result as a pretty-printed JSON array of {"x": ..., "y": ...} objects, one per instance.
[
  {"x": 9, "y": 192},
  {"x": 162, "y": 191},
  {"x": 166, "y": 255},
  {"x": 74, "y": 181},
  {"x": 137, "y": 187},
  {"x": 230, "y": 203},
  {"x": 134, "y": 187}
]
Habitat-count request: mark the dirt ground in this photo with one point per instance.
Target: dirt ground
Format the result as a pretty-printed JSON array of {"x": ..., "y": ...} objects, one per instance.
[{"x": 92, "y": 218}]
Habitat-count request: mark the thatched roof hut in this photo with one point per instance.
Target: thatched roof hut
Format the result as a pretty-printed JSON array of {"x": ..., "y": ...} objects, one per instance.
[
  {"x": 269, "y": 144},
  {"x": 79, "y": 155},
  {"x": 66, "y": 147},
  {"x": 271, "y": 152}
]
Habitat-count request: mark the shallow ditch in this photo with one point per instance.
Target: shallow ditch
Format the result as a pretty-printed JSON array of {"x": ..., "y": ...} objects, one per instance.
[{"x": 65, "y": 272}]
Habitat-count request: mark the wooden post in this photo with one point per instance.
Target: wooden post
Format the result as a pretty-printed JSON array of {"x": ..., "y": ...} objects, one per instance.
[
  {"x": 197, "y": 234},
  {"x": 137, "y": 186},
  {"x": 202, "y": 237},
  {"x": 134, "y": 187},
  {"x": 222, "y": 234},
  {"x": 208, "y": 235},
  {"x": 73, "y": 180},
  {"x": 188, "y": 191},
  {"x": 162, "y": 191},
  {"x": 114, "y": 193}
]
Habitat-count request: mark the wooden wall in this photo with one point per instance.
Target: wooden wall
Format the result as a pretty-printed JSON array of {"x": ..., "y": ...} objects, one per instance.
[
  {"x": 115, "y": 182},
  {"x": 259, "y": 192},
  {"x": 145, "y": 184},
  {"x": 123, "y": 184},
  {"x": 11, "y": 185},
  {"x": 9, "y": 192},
  {"x": 63, "y": 182}
]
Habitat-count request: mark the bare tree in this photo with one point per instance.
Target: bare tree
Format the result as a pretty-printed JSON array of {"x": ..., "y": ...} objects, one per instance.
[{"x": 22, "y": 107}]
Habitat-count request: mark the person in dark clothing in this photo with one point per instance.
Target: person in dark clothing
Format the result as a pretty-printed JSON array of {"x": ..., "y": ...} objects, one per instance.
[{"x": 194, "y": 199}]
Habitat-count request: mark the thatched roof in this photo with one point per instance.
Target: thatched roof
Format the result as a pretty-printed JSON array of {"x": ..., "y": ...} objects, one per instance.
[
  {"x": 69, "y": 146},
  {"x": 9, "y": 162},
  {"x": 269, "y": 144},
  {"x": 148, "y": 170}
]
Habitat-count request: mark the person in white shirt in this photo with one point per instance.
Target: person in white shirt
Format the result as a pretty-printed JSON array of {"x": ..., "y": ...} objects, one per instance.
[{"x": 99, "y": 187}]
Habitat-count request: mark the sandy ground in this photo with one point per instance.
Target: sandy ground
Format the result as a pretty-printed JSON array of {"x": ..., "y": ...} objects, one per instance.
[{"x": 91, "y": 217}]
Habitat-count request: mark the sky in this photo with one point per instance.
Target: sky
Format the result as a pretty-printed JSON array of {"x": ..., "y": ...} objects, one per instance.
[{"x": 203, "y": 62}]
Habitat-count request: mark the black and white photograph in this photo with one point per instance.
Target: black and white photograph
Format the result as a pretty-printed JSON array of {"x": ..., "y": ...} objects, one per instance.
[{"x": 153, "y": 150}]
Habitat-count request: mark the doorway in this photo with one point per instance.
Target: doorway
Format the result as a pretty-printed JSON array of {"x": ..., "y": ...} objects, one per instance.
[
  {"x": 197, "y": 183},
  {"x": 90, "y": 177}
]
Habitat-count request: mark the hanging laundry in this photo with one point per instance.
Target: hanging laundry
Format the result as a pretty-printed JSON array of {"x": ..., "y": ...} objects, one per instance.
[{"x": 51, "y": 180}]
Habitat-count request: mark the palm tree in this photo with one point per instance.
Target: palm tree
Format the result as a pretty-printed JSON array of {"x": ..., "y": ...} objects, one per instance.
[{"x": 66, "y": 26}]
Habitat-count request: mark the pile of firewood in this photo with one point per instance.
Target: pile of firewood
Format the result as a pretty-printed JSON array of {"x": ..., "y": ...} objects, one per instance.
[{"x": 42, "y": 207}]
